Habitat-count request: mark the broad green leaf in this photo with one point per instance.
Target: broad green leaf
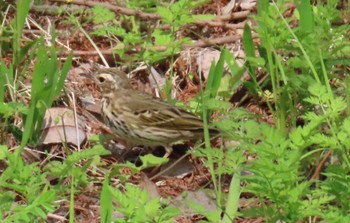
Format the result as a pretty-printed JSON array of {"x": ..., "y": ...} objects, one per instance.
[
  {"x": 102, "y": 14},
  {"x": 215, "y": 104},
  {"x": 166, "y": 14},
  {"x": 150, "y": 160}
]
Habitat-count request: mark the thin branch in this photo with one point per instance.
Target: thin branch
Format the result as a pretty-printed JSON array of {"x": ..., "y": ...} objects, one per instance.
[
  {"x": 116, "y": 9},
  {"x": 199, "y": 43},
  {"x": 320, "y": 165},
  {"x": 222, "y": 24},
  {"x": 56, "y": 10},
  {"x": 153, "y": 16},
  {"x": 219, "y": 21},
  {"x": 233, "y": 16}
]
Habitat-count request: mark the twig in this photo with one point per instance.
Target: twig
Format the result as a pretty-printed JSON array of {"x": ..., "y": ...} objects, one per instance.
[
  {"x": 233, "y": 16},
  {"x": 218, "y": 21},
  {"x": 216, "y": 41},
  {"x": 321, "y": 164},
  {"x": 76, "y": 121},
  {"x": 54, "y": 9},
  {"x": 93, "y": 44},
  {"x": 153, "y": 16},
  {"x": 46, "y": 33},
  {"x": 56, "y": 217},
  {"x": 116, "y": 9},
  {"x": 199, "y": 43},
  {"x": 222, "y": 24}
]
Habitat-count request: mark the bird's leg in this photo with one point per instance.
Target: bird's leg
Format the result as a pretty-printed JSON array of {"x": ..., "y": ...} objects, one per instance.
[
  {"x": 168, "y": 151},
  {"x": 133, "y": 150}
]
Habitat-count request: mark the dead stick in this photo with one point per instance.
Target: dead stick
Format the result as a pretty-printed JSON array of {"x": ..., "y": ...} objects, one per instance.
[
  {"x": 141, "y": 14},
  {"x": 321, "y": 164},
  {"x": 219, "y": 21},
  {"x": 116, "y": 9},
  {"x": 199, "y": 43}
]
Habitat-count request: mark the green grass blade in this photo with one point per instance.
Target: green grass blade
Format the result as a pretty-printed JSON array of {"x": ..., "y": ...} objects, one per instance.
[
  {"x": 262, "y": 6},
  {"x": 106, "y": 202},
  {"x": 71, "y": 203},
  {"x": 64, "y": 72},
  {"x": 306, "y": 22},
  {"x": 215, "y": 75},
  {"x": 47, "y": 83},
  {"x": 233, "y": 198},
  {"x": 347, "y": 93},
  {"x": 28, "y": 127},
  {"x": 22, "y": 9},
  {"x": 236, "y": 71},
  {"x": 4, "y": 72},
  {"x": 248, "y": 45},
  {"x": 306, "y": 56}
]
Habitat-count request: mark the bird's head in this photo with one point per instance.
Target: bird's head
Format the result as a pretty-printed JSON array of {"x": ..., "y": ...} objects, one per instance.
[{"x": 110, "y": 79}]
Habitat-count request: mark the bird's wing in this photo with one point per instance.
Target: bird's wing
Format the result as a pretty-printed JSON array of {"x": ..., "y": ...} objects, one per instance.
[{"x": 154, "y": 112}]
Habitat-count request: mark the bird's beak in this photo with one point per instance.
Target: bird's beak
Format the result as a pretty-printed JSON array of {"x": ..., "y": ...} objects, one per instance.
[
  {"x": 91, "y": 76},
  {"x": 88, "y": 75}
]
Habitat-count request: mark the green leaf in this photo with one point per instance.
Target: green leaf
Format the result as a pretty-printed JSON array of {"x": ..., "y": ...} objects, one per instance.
[
  {"x": 161, "y": 38},
  {"x": 236, "y": 71},
  {"x": 150, "y": 160},
  {"x": 248, "y": 45},
  {"x": 152, "y": 208},
  {"x": 106, "y": 202},
  {"x": 215, "y": 75},
  {"x": 215, "y": 104},
  {"x": 63, "y": 74},
  {"x": 23, "y": 53},
  {"x": 22, "y": 9},
  {"x": 256, "y": 61},
  {"x": 306, "y": 21},
  {"x": 102, "y": 14},
  {"x": 97, "y": 150},
  {"x": 166, "y": 14},
  {"x": 263, "y": 6},
  {"x": 3, "y": 152},
  {"x": 233, "y": 198}
]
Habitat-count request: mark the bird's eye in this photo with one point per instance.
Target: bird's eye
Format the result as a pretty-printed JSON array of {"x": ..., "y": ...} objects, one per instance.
[{"x": 101, "y": 79}]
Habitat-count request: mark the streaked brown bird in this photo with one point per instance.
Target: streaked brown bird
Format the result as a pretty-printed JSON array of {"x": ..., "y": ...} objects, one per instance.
[{"x": 141, "y": 119}]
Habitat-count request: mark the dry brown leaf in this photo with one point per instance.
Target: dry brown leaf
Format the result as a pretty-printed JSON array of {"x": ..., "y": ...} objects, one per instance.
[
  {"x": 204, "y": 60},
  {"x": 149, "y": 186},
  {"x": 178, "y": 169},
  {"x": 60, "y": 126},
  {"x": 205, "y": 198}
]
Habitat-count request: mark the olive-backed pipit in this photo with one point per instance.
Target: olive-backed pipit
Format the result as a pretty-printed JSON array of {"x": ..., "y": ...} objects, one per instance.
[{"x": 141, "y": 119}]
